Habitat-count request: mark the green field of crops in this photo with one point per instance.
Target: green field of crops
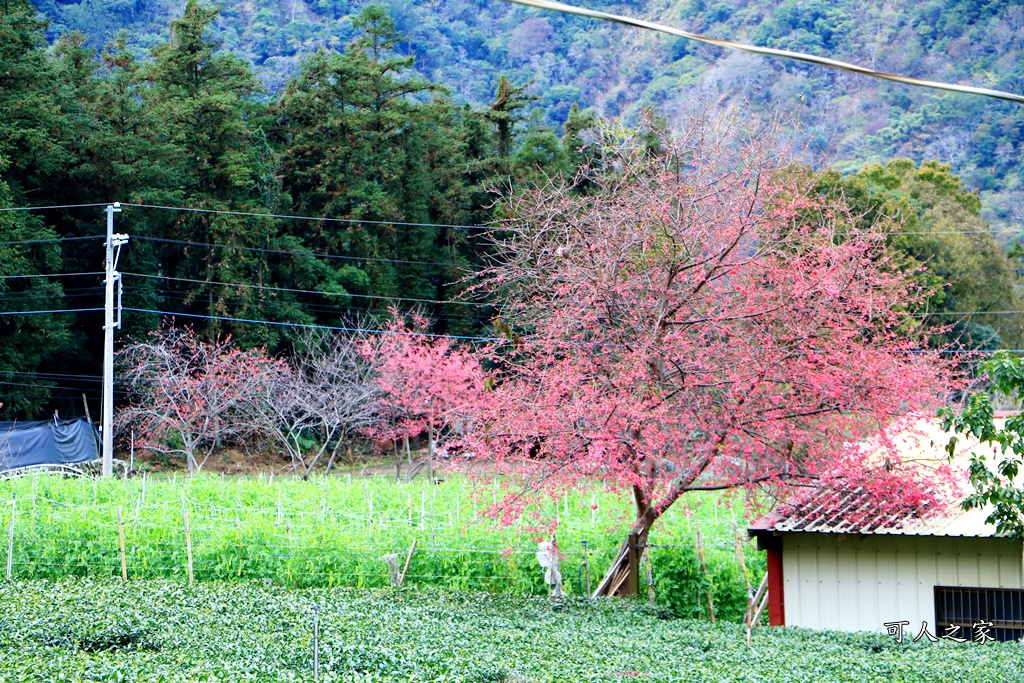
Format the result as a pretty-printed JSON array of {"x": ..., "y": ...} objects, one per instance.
[
  {"x": 163, "y": 631},
  {"x": 334, "y": 532}
]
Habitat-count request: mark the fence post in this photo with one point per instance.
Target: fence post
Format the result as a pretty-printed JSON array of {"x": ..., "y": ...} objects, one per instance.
[
  {"x": 120, "y": 533},
  {"x": 704, "y": 572},
  {"x": 586, "y": 566},
  {"x": 188, "y": 537},
  {"x": 650, "y": 575},
  {"x": 10, "y": 536},
  {"x": 408, "y": 560},
  {"x": 746, "y": 576},
  {"x": 316, "y": 643}
]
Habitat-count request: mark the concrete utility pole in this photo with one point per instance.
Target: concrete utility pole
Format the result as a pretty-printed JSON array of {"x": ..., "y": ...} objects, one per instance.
[{"x": 109, "y": 325}]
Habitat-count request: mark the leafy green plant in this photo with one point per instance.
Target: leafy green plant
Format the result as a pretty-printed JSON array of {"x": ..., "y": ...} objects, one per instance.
[
  {"x": 262, "y": 634},
  {"x": 333, "y": 532}
]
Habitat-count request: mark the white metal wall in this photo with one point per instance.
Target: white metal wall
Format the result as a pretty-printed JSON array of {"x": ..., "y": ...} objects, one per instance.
[{"x": 857, "y": 583}]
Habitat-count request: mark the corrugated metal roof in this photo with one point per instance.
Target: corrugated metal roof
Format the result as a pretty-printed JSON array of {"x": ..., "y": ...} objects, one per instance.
[{"x": 854, "y": 512}]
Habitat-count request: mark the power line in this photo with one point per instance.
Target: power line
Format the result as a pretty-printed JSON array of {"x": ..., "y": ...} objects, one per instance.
[
  {"x": 68, "y": 310},
  {"x": 896, "y": 233},
  {"x": 966, "y": 313},
  {"x": 308, "y": 326},
  {"x": 302, "y": 291},
  {"x": 56, "y": 206},
  {"x": 14, "y": 277},
  {"x": 318, "y": 219},
  {"x": 765, "y": 51},
  {"x": 56, "y": 375},
  {"x": 37, "y": 296},
  {"x": 263, "y": 250},
  {"x": 52, "y": 239},
  {"x": 48, "y": 386},
  {"x": 278, "y": 305}
]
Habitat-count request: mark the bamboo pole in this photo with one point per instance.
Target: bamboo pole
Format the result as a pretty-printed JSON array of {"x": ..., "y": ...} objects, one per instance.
[
  {"x": 650, "y": 576},
  {"x": 408, "y": 560},
  {"x": 316, "y": 643},
  {"x": 760, "y": 599},
  {"x": 120, "y": 534},
  {"x": 188, "y": 538},
  {"x": 10, "y": 537},
  {"x": 704, "y": 571},
  {"x": 746, "y": 576},
  {"x": 586, "y": 565}
]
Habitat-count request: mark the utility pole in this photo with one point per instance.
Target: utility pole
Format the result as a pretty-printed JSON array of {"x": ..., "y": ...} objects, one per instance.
[{"x": 109, "y": 325}]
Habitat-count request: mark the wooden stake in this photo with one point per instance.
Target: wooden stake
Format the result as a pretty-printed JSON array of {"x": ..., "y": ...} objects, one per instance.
[
  {"x": 316, "y": 643},
  {"x": 188, "y": 547},
  {"x": 650, "y": 576},
  {"x": 586, "y": 566},
  {"x": 746, "y": 576},
  {"x": 10, "y": 537},
  {"x": 120, "y": 533},
  {"x": 408, "y": 560},
  {"x": 704, "y": 571}
]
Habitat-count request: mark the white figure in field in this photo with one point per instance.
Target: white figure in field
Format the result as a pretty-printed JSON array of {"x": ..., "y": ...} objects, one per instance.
[{"x": 547, "y": 557}]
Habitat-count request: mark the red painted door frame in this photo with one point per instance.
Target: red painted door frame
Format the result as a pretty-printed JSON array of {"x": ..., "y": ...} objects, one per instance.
[{"x": 776, "y": 582}]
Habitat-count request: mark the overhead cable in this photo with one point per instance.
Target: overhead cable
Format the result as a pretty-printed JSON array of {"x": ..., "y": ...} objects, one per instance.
[
  {"x": 57, "y": 311},
  {"x": 52, "y": 239},
  {"x": 263, "y": 250},
  {"x": 45, "y": 208},
  {"x": 767, "y": 51},
  {"x": 309, "y": 326},
  {"x": 301, "y": 291},
  {"x": 16, "y": 277},
  {"x": 318, "y": 219}
]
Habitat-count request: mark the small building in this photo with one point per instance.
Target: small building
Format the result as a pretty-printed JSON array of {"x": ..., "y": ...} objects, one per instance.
[{"x": 834, "y": 564}]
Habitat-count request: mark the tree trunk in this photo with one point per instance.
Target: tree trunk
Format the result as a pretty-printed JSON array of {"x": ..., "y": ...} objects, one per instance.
[
  {"x": 623, "y": 576},
  {"x": 398, "y": 462}
]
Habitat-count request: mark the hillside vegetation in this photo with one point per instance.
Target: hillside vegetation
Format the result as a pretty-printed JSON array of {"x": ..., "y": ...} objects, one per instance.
[
  {"x": 467, "y": 44},
  {"x": 401, "y": 150}
]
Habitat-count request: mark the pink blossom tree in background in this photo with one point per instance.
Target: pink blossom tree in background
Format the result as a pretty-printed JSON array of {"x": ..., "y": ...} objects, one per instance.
[
  {"x": 702, "y": 320},
  {"x": 428, "y": 384},
  {"x": 188, "y": 395}
]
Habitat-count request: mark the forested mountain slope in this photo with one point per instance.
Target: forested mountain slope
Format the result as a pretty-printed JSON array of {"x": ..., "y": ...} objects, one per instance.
[
  {"x": 399, "y": 147},
  {"x": 467, "y": 44}
]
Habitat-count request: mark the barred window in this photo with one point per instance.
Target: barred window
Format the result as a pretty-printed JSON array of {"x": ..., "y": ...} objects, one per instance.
[{"x": 965, "y": 607}]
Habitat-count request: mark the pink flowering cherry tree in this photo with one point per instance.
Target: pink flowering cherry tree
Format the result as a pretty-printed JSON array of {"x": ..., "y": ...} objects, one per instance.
[
  {"x": 189, "y": 394},
  {"x": 700, "y": 319},
  {"x": 428, "y": 384}
]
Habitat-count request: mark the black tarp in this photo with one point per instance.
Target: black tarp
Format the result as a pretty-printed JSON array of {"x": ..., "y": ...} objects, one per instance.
[{"x": 54, "y": 442}]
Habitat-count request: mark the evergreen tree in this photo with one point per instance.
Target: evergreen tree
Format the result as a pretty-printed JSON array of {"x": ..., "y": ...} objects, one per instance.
[
  {"x": 31, "y": 125},
  {"x": 28, "y": 343},
  {"x": 215, "y": 160},
  {"x": 364, "y": 142}
]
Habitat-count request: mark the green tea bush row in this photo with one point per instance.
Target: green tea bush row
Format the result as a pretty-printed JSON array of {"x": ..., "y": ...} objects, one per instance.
[
  {"x": 334, "y": 533},
  {"x": 166, "y": 632}
]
